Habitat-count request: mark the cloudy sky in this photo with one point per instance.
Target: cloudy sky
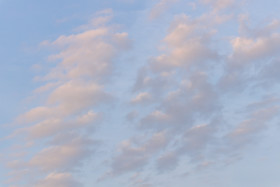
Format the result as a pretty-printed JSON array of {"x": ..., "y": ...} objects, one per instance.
[{"x": 140, "y": 93}]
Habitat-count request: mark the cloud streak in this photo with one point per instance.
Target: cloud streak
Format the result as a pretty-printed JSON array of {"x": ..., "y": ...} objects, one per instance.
[{"x": 61, "y": 128}]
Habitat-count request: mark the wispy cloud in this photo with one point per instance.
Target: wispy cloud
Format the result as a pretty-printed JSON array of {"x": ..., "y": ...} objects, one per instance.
[{"x": 61, "y": 128}]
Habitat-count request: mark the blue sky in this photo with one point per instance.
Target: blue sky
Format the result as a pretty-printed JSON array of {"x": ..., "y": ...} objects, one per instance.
[{"x": 139, "y": 93}]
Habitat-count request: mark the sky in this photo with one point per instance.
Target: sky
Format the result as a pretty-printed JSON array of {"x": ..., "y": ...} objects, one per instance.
[{"x": 139, "y": 93}]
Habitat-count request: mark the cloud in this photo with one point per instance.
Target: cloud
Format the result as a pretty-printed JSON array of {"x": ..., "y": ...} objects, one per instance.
[
  {"x": 254, "y": 49},
  {"x": 59, "y": 130},
  {"x": 219, "y": 4},
  {"x": 254, "y": 52},
  {"x": 133, "y": 158},
  {"x": 87, "y": 55},
  {"x": 59, "y": 180},
  {"x": 161, "y": 7},
  {"x": 194, "y": 97},
  {"x": 188, "y": 97},
  {"x": 64, "y": 157},
  {"x": 167, "y": 162},
  {"x": 141, "y": 97},
  {"x": 245, "y": 132},
  {"x": 180, "y": 91},
  {"x": 188, "y": 43}
]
